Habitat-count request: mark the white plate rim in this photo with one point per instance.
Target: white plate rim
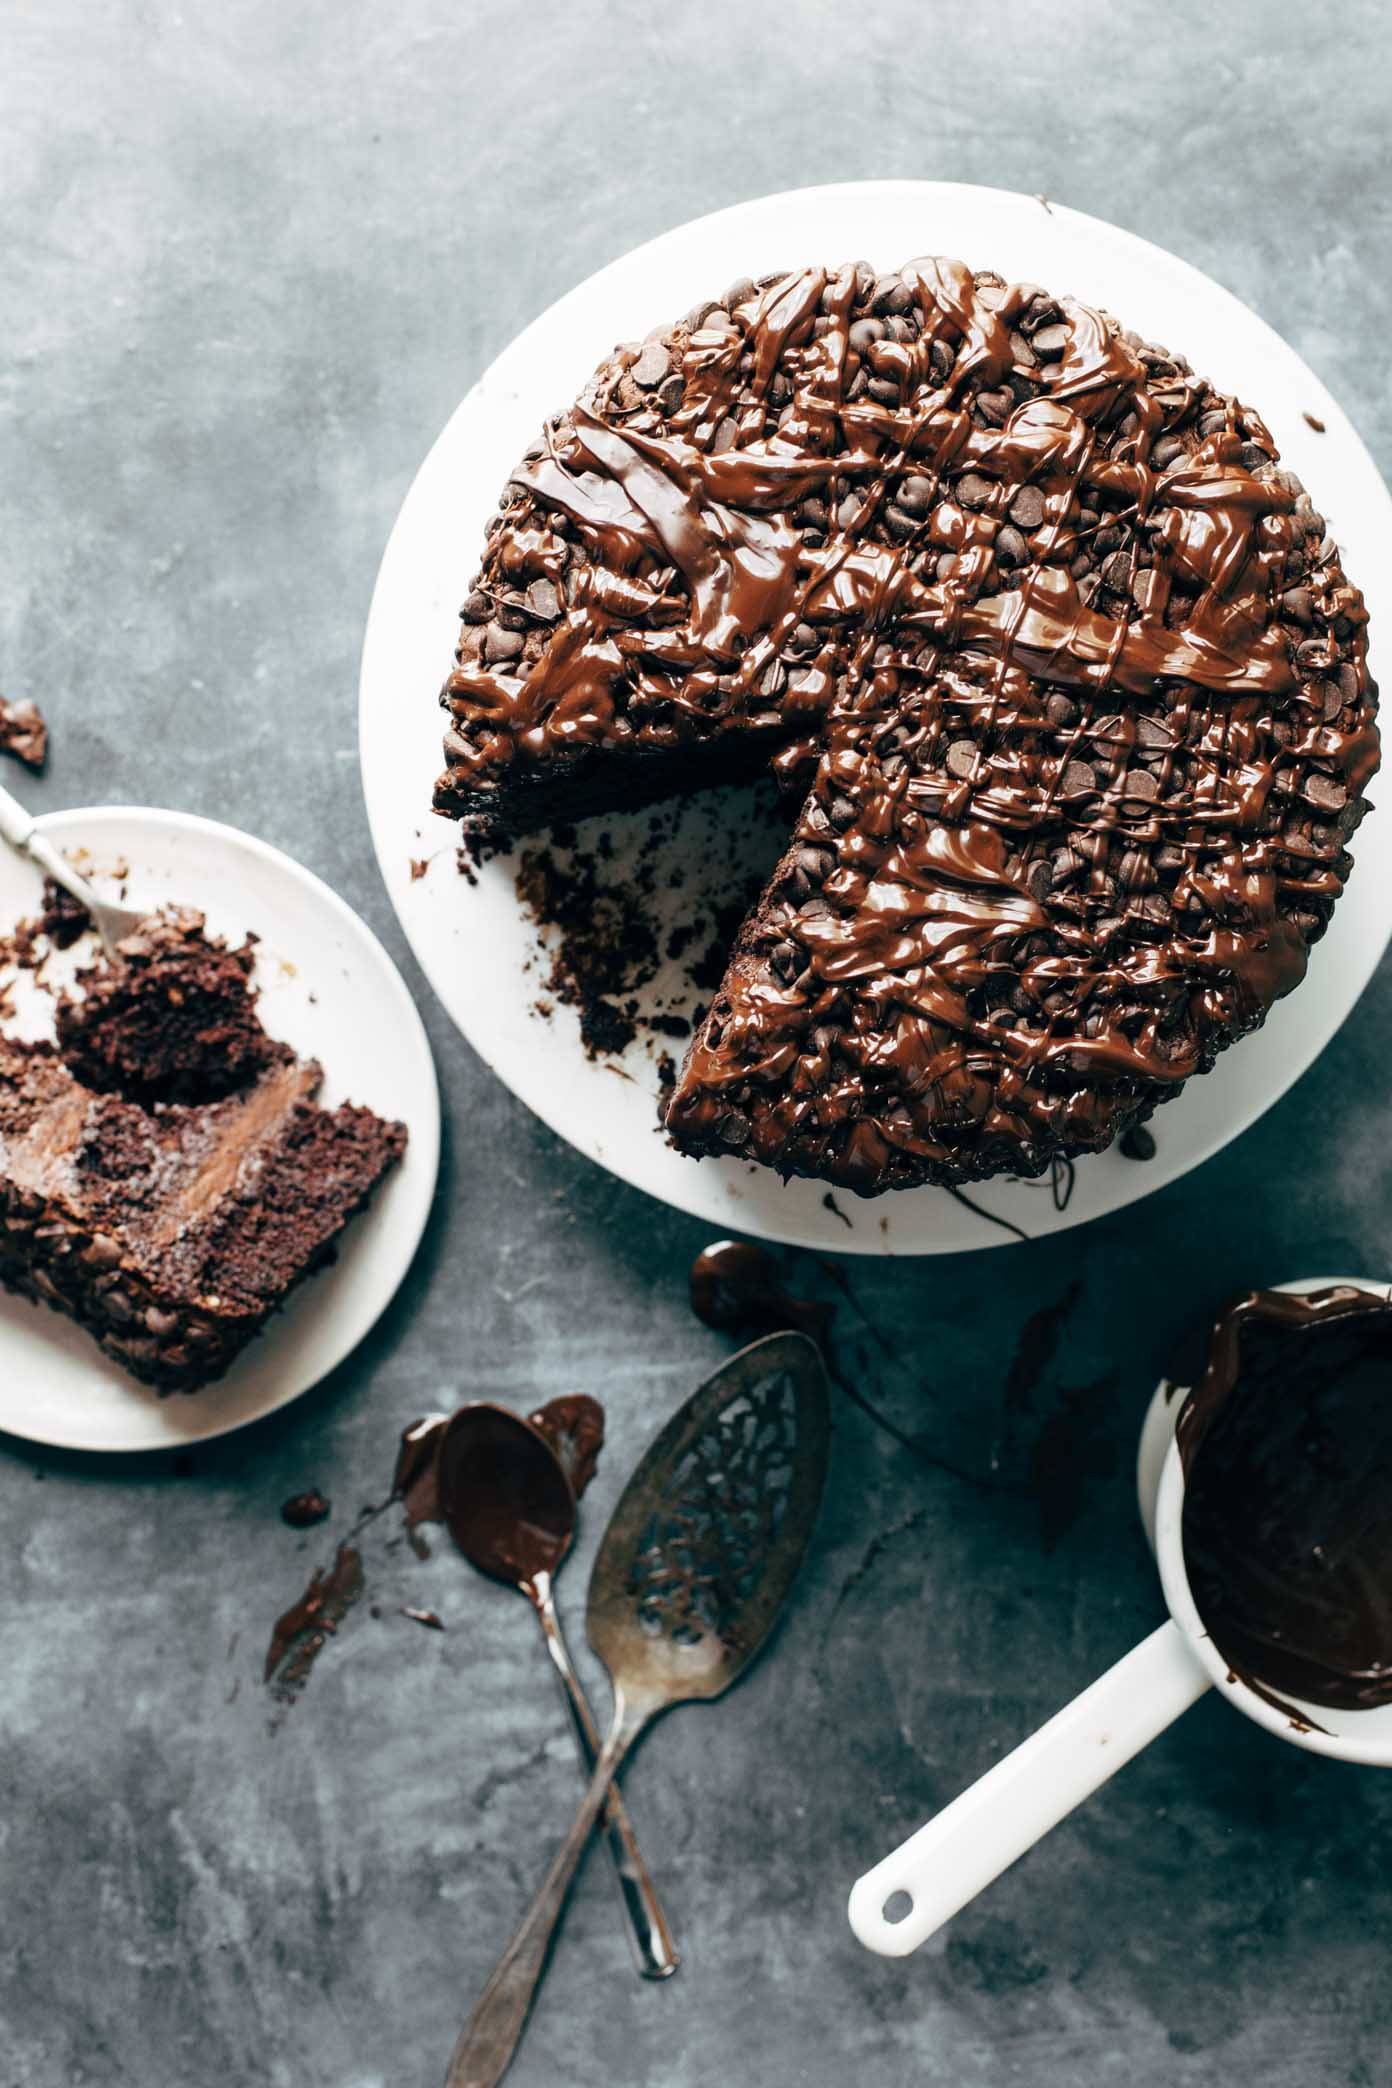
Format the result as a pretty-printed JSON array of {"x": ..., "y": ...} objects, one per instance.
[
  {"x": 360, "y": 1312},
  {"x": 684, "y": 1191}
]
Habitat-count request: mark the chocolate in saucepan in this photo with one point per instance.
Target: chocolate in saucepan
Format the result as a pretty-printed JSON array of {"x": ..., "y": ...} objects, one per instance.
[{"x": 1286, "y": 1443}]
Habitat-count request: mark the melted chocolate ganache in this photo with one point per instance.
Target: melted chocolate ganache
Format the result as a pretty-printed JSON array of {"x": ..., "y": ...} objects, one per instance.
[
  {"x": 1287, "y": 1448},
  {"x": 1059, "y": 661}
]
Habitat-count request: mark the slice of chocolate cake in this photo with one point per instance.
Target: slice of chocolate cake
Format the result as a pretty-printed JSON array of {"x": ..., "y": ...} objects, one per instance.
[
  {"x": 1071, "y": 662},
  {"x": 173, "y": 1230},
  {"x": 174, "y": 1021}
]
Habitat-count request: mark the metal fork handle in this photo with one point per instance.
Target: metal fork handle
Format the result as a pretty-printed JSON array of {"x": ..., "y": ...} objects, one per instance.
[
  {"x": 20, "y": 828},
  {"x": 656, "y": 1954}
]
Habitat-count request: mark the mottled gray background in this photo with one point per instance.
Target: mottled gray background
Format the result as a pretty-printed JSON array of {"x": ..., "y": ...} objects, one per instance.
[{"x": 251, "y": 256}]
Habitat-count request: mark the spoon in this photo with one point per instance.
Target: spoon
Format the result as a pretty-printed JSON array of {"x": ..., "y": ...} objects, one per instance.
[
  {"x": 21, "y": 830},
  {"x": 509, "y": 1505},
  {"x": 692, "y": 1572}
]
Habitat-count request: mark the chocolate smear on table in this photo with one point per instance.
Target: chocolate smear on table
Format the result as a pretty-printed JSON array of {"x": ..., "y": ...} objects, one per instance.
[
  {"x": 1138, "y": 1143},
  {"x": 736, "y": 1288},
  {"x": 24, "y": 733},
  {"x": 301, "y": 1634},
  {"x": 303, "y": 1510},
  {"x": 431, "y": 1620},
  {"x": 574, "y": 1427},
  {"x": 1286, "y": 1442}
]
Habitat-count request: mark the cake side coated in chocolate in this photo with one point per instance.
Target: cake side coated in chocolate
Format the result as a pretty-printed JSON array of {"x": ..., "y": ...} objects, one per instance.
[{"x": 1073, "y": 665}]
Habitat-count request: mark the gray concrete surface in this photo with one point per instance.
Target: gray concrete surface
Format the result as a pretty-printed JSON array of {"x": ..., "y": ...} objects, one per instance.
[{"x": 252, "y": 256}]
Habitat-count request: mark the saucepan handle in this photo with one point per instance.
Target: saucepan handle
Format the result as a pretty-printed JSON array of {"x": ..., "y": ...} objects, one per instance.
[{"x": 997, "y": 1819}]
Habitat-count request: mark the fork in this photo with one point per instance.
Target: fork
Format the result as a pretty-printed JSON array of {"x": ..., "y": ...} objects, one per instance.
[{"x": 21, "y": 830}]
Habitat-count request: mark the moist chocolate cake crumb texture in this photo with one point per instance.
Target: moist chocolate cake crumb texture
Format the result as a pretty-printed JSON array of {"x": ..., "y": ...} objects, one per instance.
[
  {"x": 172, "y": 1231},
  {"x": 1058, "y": 660},
  {"x": 23, "y": 733},
  {"x": 174, "y": 1021}
]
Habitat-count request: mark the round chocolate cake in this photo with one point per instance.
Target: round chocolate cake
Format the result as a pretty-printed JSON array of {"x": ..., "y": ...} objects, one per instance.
[{"x": 1059, "y": 666}]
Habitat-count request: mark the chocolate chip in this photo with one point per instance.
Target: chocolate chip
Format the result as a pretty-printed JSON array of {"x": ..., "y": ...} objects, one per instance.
[
  {"x": 1326, "y": 791},
  {"x": 670, "y": 393},
  {"x": 1039, "y": 879},
  {"x": 652, "y": 365},
  {"x": 725, "y": 436},
  {"x": 915, "y": 494},
  {"x": 1050, "y": 341},
  {"x": 1027, "y": 508},
  {"x": 1078, "y": 779},
  {"x": 891, "y": 294},
  {"x": 848, "y": 512},
  {"x": 1139, "y": 784},
  {"x": 543, "y": 601},
  {"x": 785, "y": 959},
  {"x": 841, "y": 813},
  {"x": 478, "y": 608},
  {"x": 1299, "y": 604},
  {"x": 863, "y": 332},
  {"x": 1117, "y": 571},
  {"x": 803, "y": 640},
  {"x": 733, "y": 1128},
  {"x": 900, "y": 524},
  {"x": 1065, "y": 866},
  {"x": 1061, "y": 711},
  {"x": 816, "y": 864},
  {"x": 501, "y": 644},
  {"x": 961, "y": 758},
  {"x": 941, "y": 359},
  {"x": 974, "y": 491},
  {"x": 1011, "y": 548}
]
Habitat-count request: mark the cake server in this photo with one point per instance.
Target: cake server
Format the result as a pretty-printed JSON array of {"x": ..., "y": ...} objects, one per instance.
[
  {"x": 693, "y": 1570},
  {"x": 21, "y": 830},
  {"x": 510, "y": 1507}
]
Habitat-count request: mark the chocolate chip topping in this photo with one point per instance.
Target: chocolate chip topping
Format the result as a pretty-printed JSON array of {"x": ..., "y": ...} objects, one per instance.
[{"x": 1027, "y": 582}]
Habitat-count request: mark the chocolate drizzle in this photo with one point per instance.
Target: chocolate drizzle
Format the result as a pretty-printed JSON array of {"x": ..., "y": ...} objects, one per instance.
[
  {"x": 1080, "y": 676},
  {"x": 1286, "y": 1442}
]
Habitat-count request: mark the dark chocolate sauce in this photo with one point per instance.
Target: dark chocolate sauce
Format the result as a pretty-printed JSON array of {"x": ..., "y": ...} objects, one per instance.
[
  {"x": 1138, "y": 1143},
  {"x": 301, "y": 1634},
  {"x": 415, "y": 1481},
  {"x": 303, "y": 1510},
  {"x": 574, "y": 1427},
  {"x": 1287, "y": 1448},
  {"x": 505, "y": 1495},
  {"x": 735, "y": 1287}
]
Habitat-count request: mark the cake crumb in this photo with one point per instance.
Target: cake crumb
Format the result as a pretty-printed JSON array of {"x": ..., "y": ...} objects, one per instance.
[{"x": 24, "y": 733}]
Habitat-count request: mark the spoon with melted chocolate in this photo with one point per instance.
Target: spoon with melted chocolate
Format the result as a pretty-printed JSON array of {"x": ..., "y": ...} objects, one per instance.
[
  {"x": 509, "y": 1503},
  {"x": 692, "y": 1573}
]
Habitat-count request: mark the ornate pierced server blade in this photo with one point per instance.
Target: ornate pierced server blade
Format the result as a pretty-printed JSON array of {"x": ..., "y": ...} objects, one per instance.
[{"x": 707, "y": 1539}]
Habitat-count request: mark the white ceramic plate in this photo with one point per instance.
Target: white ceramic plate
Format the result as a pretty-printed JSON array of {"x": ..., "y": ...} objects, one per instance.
[
  {"x": 474, "y": 942},
  {"x": 329, "y": 989}
]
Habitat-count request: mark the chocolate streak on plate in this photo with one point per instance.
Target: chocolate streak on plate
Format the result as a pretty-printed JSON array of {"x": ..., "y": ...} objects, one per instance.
[{"x": 1286, "y": 1442}]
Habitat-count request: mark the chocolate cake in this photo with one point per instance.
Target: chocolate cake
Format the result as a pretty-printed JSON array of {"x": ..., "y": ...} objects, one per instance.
[
  {"x": 174, "y": 1021},
  {"x": 1058, "y": 661},
  {"x": 173, "y": 1230}
]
